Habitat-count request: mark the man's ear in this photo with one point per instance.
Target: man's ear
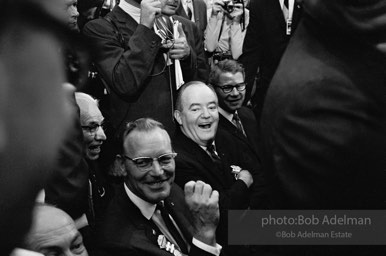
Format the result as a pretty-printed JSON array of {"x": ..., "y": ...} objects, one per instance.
[
  {"x": 177, "y": 116},
  {"x": 118, "y": 168}
]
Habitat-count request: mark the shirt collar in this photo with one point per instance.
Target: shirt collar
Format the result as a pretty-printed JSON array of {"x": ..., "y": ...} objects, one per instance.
[
  {"x": 130, "y": 9},
  {"x": 147, "y": 209},
  {"x": 227, "y": 115}
]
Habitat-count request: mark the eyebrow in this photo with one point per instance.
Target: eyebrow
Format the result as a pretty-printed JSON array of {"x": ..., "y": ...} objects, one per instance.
[
  {"x": 194, "y": 105},
  {"x": 76, "y": 238}
]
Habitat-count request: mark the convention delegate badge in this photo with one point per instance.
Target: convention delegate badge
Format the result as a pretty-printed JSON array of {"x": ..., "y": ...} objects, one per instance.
[
  {"x": 236, "y": 170},
  {"x": 163, "y": 243},
  {"x": 289, "y": 27}
]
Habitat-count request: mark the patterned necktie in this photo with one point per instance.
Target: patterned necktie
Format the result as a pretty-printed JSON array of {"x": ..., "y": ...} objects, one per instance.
[
  {"x": 237, "y": 122},
  {"x": 161, "y": 212}
]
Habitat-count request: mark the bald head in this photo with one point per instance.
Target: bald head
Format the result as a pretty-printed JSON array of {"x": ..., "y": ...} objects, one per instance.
[{"x": 53, "y": 231}]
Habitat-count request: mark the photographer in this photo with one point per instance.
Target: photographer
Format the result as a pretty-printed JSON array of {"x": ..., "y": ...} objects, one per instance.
[{"x": 224, "y": 35}]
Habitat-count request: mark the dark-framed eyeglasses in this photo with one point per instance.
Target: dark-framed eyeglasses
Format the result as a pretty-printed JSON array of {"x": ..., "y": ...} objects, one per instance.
[
  {"x": 144, "y": 163},
  {"x": 229, "y": 88},
  {"x": 92, "y": 129}
]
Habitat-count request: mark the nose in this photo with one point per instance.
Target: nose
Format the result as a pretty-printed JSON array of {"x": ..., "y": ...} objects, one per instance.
[
  {"x": 156, "y": 169},
  {"x": 205, "y": 113},
  {"x": 100, "y": 134},
  {"x": 74, "y": 11},
  {"x": 235, "y": 91}
]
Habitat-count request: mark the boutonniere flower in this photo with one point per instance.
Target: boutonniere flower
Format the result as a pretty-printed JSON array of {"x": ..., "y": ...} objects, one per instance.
[
  {"x": 236, "y": 170},
  {"x": 164, "y": 244}
]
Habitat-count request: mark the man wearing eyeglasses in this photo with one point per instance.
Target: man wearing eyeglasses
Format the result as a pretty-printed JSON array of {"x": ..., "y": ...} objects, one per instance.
[
  {"x": 149, "y": 215},
  {"x": 228, "y": 80},
  {"x": 239, "y": 122}
]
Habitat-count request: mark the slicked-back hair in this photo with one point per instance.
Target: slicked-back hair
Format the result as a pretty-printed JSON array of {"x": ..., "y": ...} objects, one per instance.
[
  {"x": 224, "y": 66},
  {"x": 145, "y": 124},
  {"x": 180, "y": 92}
]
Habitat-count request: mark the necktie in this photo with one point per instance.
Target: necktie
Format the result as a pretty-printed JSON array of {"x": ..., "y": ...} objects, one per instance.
[
  {"x": 213, "y": 154},
  {"x": 237, "y": 122},
  {"x": 161, "y": 212},
  {"x": 190, "y": 14}
]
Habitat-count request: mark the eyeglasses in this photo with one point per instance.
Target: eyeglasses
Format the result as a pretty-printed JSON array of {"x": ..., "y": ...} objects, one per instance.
[
  {"x": 229, "y": 88},
  {"x": 144, "y": 163},
  {"x": 92, "y": 129}
]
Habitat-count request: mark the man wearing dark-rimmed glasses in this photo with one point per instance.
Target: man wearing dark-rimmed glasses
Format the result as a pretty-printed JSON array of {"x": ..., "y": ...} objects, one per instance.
[
  {"x": 227, "y": 78},
  {"x": 151, "y": 214}
]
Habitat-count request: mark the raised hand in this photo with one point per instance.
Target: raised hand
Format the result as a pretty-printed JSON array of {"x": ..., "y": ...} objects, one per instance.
[{"x": 203, "y": 204}]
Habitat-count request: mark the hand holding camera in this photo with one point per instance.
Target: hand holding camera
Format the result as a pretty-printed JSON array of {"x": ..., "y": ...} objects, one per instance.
[
  {"x": 237, "y": 12},
  {"x": 228, "y": 6}
]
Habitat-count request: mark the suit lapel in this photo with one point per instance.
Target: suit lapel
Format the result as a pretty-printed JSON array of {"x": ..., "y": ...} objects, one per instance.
[
  {"x": 134, "y": 215},
  {"x": 124, "y": 20},
  {"x": 207, "y": 166}
]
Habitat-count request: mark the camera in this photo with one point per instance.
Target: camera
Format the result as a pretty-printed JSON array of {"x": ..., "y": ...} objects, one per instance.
[{"x": 229, "y": 4}]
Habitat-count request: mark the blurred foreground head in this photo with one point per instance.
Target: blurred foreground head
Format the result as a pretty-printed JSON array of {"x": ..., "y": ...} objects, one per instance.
[
  {"x": 34, "y": 112},
  {"x": 53, "y": 232}
]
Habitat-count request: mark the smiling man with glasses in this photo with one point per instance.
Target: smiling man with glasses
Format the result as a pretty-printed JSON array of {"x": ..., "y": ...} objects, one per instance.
[
  {"x": 227, "y": 77},
  {"x": 152, "y": 215}
]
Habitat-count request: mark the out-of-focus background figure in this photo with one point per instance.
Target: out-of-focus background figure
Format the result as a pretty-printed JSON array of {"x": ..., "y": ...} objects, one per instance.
[{"x": 34, "y": 109}]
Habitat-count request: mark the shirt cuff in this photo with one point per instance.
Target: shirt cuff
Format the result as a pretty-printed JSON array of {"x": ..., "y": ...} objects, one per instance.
[{"x": 215, "y": 250}]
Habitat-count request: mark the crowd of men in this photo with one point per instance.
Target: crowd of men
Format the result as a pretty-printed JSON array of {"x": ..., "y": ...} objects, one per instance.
[{"x": 134, "y": 129}]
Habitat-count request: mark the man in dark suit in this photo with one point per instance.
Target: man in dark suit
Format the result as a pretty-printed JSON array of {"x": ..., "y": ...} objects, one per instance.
[
  {"x": 130, "y": 58},
  {"x": 228, "y": 79},
  {"x": 324, "y": 120},
  {"x": 264, "y": 44},
  {"x": 197, "y": 12},
  {"x": 207, "y": 154},
  {"x": 135, "y": 223}
]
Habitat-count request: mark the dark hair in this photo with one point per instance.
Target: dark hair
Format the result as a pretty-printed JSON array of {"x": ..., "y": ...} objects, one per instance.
[
  {"x": 142, "y": 125},
  {"x": 180, "y": 92},
  {"x": 224, "y": 66}
]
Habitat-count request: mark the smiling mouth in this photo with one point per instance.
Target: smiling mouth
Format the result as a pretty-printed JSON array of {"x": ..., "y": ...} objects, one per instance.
[
  {"x": 158, "y": 183},
  {"x": 205, "y": 126}
]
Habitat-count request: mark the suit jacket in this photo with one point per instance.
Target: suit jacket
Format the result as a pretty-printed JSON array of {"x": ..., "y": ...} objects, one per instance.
[
  {"x": 193, "y": 163},
  {"x": 324, "y": 126},
  {"x": 251, "y": 128},
  {"x": 200, "y": 14},
  {"x": 265, "y": 41},
  {"x": 136, "y": 73},
  {"x": 125, "y": 231}
]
